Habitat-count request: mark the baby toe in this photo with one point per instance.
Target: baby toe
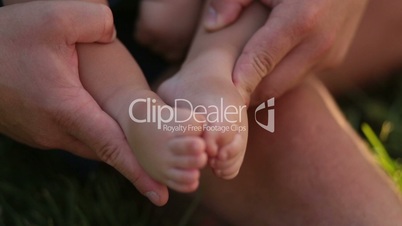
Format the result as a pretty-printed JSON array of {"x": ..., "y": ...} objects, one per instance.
[
  {"x": 183, "y": 180},
  {"x": 191, "y": 161},
  {"x": 185, "y": 188},
  {"x": 227, "y": 169},
  {"x": 183, "y": 176},
  {"x": 187, "y": 145},
  {"x": 229, "y": 172},
  {"x": 233, "y": 149},
  {"x": 211, "y": 145}
]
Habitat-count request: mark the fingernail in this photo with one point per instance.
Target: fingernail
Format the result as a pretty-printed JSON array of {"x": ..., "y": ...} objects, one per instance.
[
  {"x": 114, "y": 34},
  {"x": 211, "y": 18},
  {"x": 153, "y": 196}
]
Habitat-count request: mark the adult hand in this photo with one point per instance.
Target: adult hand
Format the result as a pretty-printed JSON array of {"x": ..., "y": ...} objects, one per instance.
[
  {"x": 299, "y": 37},
  {"x": 42, "y": 101}
]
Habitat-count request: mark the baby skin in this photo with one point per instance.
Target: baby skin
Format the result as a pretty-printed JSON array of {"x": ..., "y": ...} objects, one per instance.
[
  {"x": 113, "y": 78},
  {"x": 161, "y": 27},
  {"x": 205, "y": 79}
]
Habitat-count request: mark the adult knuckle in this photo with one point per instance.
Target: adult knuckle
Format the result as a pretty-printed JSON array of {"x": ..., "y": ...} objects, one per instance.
[
  {"x": 109, "y": 153},
  {"x": 262, "y": 63},
  {"x": 306, "y": 23}
]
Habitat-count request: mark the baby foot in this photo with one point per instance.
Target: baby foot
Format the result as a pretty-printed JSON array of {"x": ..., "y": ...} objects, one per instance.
[
  {"x": 217, "y": 99},
  {"x": 161, "y": 141}
]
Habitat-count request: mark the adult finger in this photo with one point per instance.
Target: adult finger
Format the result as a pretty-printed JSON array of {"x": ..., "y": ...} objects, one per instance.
[
  {"x": 301, "y": 61},
  {"x": 283, "y": 31},
  {"x": 80, "y": 21},
  {"x": 221, "y": 13},
  {"x": 285, "y": 76},
  {"x": 102, "y": 134}
]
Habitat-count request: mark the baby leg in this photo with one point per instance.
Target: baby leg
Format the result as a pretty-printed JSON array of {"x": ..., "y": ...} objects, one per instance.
[
  {"x": 205, "y": 79},
  {"x": 172, "y": 157},
  {"x": 167, "y": 26}
]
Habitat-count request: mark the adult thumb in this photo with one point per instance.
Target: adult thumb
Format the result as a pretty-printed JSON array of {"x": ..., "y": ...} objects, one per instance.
[
  {"x": 264, "y": 51},
  {"x": 222, "y": 13},
  {"x": 101, "y": 133},
  {"x": 84, "y": 22}
]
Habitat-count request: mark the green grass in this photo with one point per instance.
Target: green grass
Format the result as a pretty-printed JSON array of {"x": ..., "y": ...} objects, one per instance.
[
  {"x": 392, "y": 167},
  {"x": 48, "y": 188},
  {"x": 39, "y": 188},
  {"x": 377, "y": 115}
]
